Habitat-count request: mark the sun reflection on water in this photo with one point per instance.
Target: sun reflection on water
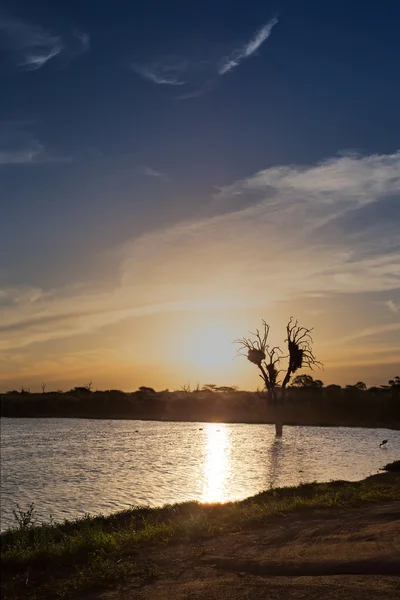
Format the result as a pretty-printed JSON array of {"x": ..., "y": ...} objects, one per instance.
[{"x": 217, "y": 467}]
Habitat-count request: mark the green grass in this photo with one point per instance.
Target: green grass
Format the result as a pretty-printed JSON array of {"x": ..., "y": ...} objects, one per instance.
[{"x": 62, "y": 560}]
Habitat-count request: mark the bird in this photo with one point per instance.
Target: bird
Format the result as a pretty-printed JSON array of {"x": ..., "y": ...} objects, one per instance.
[{"x": 383, "y": 443}]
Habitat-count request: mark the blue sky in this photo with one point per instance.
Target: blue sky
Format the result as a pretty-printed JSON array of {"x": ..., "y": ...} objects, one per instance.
[{"x": 170, "y": 164}]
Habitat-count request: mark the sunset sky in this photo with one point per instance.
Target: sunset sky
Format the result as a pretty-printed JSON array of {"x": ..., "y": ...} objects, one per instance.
[{"x": 173, "y": 172}]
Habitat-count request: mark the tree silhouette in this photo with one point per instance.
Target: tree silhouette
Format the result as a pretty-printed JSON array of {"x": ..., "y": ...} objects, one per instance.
[
  {"x": 395, "y": 383},
  {"x": 269, "y": 359},
  {"x": 209, "y": 387},
  {"x": 306, "y": 381},
  {"x": 360, "y": 385},
  {"x": 146, "y": 390}
]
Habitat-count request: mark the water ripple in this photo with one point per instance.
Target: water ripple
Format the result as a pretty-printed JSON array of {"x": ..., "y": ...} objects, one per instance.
[{"x": 70, "y": 467}]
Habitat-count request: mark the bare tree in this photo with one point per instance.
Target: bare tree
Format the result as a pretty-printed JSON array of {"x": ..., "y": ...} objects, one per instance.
[
  {"x": 269, "y": 360},
  {"x": 43, "y": 385},
  {"x": 257, "y": 349},
  {"x": 299, "y": 342},
  {"x": 88, "y": 386}
]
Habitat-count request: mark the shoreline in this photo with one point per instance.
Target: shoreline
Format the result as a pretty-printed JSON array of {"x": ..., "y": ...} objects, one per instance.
[
  {"x": 99, "y": 553},
  {"x": 389, "y": 426},
  {"x": 330, "y": 406}
]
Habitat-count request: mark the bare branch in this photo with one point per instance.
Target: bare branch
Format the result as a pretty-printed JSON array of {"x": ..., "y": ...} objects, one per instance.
[{"x": 299, "y": 342}]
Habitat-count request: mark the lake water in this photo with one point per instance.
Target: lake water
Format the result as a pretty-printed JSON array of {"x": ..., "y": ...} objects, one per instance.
[{"x": 69, "y": 467}]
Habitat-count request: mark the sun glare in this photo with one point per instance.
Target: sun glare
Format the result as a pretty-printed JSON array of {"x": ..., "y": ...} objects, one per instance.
[
  {"x": 216, "y": 467},
  {"x": 210, "y": 346}
]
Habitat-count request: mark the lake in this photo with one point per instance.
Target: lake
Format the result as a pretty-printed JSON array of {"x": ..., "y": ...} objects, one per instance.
[{"x": 69, "y": 467}]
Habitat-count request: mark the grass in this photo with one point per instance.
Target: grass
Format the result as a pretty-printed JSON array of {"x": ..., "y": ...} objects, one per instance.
[{"x": 94, "y": 553}]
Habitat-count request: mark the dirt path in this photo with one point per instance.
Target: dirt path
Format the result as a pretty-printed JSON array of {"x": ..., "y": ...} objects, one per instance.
[{"x": 346, "y": 554}]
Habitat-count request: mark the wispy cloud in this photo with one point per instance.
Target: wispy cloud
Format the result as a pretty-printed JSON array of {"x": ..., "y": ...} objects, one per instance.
[
  {"x": 277, "y": 249},
  {"x": 392, "y": 306},
  {"x": 150, "y": 172},
  {"x": 200, "y": 77},
  {"x": 30, "y": 46},
  {"x": 237, "y": 56},
  {"x": 369, "y": 332},
  {"x": 19, "y": 146},
  {"x": 163, "y": 73}
]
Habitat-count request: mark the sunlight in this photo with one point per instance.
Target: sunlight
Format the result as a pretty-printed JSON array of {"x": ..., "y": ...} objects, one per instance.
[
  {"x": 210, "y": 346},
  {"x": 216, "y": 466}
]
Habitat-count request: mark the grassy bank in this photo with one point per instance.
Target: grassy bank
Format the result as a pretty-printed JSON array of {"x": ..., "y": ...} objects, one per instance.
[{"x": 61, "y": 560}]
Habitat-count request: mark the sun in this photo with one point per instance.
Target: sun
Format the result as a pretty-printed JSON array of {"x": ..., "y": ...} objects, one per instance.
[{"x": 211, "y": 346}]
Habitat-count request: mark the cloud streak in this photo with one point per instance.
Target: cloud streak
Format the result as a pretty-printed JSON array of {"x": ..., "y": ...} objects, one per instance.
[
  {"x": 31, "y": 47},
  {"x": 392, "y": 306},
  {"x": 277, "y": 249},
  {"x": 167, "y": 73},
  {"x": 19, "y": 146},
  {"x": 150, "y": 172},
  {"x": 237, "y": 56},
  {"x": 199, "y": 77}
]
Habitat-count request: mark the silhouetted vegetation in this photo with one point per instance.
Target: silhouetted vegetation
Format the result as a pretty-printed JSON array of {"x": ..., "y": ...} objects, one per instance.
[
  {"x": 308, "y": 402},
  {"x": 393, "y": 466},
  {"x": 270, "y": 361}
]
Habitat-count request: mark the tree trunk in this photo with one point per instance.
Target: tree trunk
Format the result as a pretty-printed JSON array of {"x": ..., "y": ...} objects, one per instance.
[
  {"x": 276, "y": 404},
  {"x": 278, "y": 426},
  {"x": 279, "y": 413}
]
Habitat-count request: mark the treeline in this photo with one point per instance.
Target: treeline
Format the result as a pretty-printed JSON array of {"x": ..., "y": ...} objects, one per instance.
[{"x": 309, "y": 402}]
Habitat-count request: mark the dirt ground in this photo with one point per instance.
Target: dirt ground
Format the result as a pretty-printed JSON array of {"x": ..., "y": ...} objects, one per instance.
[{"x": 331, "y": 554}]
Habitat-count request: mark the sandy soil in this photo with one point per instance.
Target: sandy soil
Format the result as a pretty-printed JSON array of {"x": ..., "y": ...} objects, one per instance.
[{"x": 346, "y": 554}]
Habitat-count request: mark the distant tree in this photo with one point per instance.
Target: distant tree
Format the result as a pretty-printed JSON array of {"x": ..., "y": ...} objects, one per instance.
[
  {"x": 395, "y": 383},
  {"x": 209, "y": 387},
  {"x": 395, "y": 387},
  {"x": 333, "y": 387},
  {"x": 306, "y": 381},
  {"x": 186, "y": 388},
  {"x": 360, "y": 385},
  {"x": 81, "y": 389},
  {"x": 227, "y": 389},
  {"x": 374, "y": 390},
  {"x": 146, "y": 390},
  {"x": 88, "y": 386},
  {"x": 269, "y": 359},
  {"x": 43, "y": 385}
]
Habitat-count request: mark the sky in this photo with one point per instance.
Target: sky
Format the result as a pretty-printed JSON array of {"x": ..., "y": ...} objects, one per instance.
[{"x": 172, "y": 173}]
